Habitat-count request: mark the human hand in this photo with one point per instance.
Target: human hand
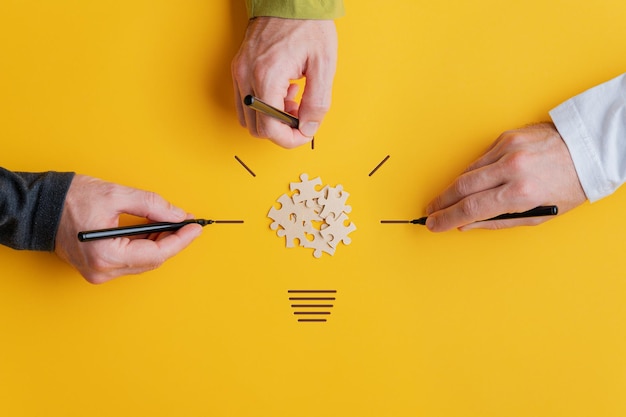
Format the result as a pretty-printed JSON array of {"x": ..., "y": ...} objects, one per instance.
[
  {"x": 95, "y": 204},
  {"x": 522, "y": 169},
  {"x": 274, "y": 52}
]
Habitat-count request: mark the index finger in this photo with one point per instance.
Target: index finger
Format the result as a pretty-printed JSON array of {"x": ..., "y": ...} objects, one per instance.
[{"x": 473, "y": 208}]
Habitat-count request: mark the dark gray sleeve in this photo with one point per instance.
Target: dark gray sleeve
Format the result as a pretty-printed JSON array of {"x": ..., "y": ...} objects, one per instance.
[{"x": 30, "y": 208}]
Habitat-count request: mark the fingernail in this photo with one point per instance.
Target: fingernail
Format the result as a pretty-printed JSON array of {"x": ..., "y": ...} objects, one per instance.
[
  {"x": 309, "y": 128},
  {"x": 430, "y": 222}
]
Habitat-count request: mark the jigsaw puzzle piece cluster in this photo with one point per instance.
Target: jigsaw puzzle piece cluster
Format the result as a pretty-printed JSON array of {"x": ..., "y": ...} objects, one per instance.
[{"x": 308, "y": 206}]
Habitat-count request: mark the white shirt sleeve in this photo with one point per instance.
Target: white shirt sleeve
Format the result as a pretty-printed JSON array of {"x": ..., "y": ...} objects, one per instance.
[{"x": 593, "y": 126}]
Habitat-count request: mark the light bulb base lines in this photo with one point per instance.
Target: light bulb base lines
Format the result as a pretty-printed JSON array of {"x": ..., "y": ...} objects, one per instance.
[{"x": 312, "y": 306}]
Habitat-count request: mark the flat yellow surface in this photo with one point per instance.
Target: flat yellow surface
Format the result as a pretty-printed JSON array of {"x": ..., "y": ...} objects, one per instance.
[{"x": 521, "y": 322}]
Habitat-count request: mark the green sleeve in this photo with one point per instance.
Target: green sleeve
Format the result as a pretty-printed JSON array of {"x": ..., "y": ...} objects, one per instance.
[{"x": 296, "y": 9}]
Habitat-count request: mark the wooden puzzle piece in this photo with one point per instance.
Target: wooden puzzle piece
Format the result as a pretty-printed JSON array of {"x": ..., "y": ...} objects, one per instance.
[
  {"x": 319, "y": 244},
  {"x": 284, "y": 214},
  {"x": 293, "y": 230},
  {"x": 334, "y": 202},
  {"x": 307, "y": 214},
  {"x": 338, "y": 231},
  {"x": 306, "y": 189}
]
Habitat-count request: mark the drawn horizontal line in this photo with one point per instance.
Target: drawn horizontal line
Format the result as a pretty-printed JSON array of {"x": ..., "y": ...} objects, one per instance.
[
  {"x": 312, "y": 298},
  {"x": 312, "y": 312},
  {"x": 312, "y": 320},
  {"x": 311, "y": 291},
  {"x": 312, "y": 305}
]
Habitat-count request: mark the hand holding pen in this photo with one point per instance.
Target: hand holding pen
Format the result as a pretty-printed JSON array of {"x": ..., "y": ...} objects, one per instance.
[
  {"x": 96, "y": 204},
  {"x": 522, "y": 168},
  {"x": 273, "y": 53}
]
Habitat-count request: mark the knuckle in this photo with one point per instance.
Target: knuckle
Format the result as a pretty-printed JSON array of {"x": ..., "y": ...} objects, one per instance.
[
  {"x": 517, "y": 161},
  {"x": 319, "y": 105},
  {"x": 261, "y": 75},
  {"x": 524, "y": 190},
  {"x": 513, "y": 139},
  {"x": 435, "y": 204},
  {"x": 239, "y": 69},
  {"x": 461, "y": 186},
  {"x": 469, "y": 207}
]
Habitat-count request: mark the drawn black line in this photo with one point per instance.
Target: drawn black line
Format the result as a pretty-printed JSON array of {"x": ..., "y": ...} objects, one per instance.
[
  {"x": 312, "y": 312},
  {"x": 312, "y": 305},
  {"x": 245, "y": 166},
  {"x": 312, "y": 298},
  {"x": 379, "y": 165}
]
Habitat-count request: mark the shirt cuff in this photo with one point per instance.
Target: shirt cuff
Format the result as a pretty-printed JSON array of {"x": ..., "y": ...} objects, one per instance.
[
  {"x": 296, "y": 9},
  {"x": 593, "y": 125},
  {"x": 31, "y": 205},
  {"x": 572, "y": 129},
  {"x": 49, "y": 209}
]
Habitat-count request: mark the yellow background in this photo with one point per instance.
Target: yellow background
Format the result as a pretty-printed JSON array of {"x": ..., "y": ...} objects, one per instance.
[{"x": 521, "y": 322}]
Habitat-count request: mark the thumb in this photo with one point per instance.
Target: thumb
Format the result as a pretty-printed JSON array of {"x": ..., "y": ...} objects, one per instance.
[{"x": 315, "y": 98}]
